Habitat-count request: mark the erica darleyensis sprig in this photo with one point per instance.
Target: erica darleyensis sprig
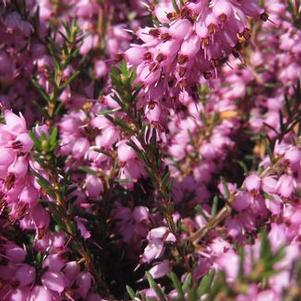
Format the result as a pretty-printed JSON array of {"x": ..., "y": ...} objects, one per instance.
[
  {"x": 193, "y": 38},
  {"x": 150, "y": 151}
]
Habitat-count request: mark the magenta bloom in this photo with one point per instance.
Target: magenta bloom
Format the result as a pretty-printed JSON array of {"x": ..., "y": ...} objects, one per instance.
[{"x": 199, "y": 37}]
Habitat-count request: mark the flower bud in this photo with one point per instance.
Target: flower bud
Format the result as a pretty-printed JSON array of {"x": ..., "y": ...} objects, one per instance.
[
  {"x": 180, "y": 29},
  {"x": 54, "y": 281},
  {"x": 25, "y": 275}
]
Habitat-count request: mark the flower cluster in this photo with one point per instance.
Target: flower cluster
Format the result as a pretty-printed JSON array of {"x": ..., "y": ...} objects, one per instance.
[
  {"x": 150, "y": 151},
  {"x": 193, "y": 40}
]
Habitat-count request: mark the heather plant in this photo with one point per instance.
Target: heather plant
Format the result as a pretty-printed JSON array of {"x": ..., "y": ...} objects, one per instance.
[{"x": 150, "y": 150}]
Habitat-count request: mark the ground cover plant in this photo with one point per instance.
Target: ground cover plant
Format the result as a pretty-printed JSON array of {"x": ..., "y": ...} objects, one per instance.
[{"x": 150, "y": 150}]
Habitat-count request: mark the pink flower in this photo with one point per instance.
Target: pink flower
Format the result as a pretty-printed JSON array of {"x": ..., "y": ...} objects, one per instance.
[
  {"x": 278, "y": 236},
  {"x": 286, "y": 186},
  {"x": 83, "y": 282},
  {"x": 14, "y": 124},
  {"x": 54, "y": 262},
  {"x": 229, "y": 263},
  {"x": 15, "y": 253},
  {"x": 280, "y": 281},
  {"x": 268, "y": 295},
  {"x": 156, "y": 238},
  {"x": 160, "y": 269},
  {"x": 153, "y": 250},
  {"x": 71, "y": 270},
  {"x": 29, "y": 195},
  {"x": 293, "y": 156},
  {"x": 94, "y": 186},
  {"x": 109, "y": 134},
  {"x": 39, "y": 293},
  {"x": 80, "y": 148},
  {"x": 269, "y": 184},
  {"x": 242, "y": 201},
  {"x": 82, "y": 227},
  {"x": 100, "y": 68},
  {"x": 141, "y": 214},
  {"x": 180, "y": 29},
  {"x": 197, "y": 38},
  {"x": 125, "y": 152},
  {"x": 135, "y": 55},
  {"x": 19, "y": 294},
  {"x": 253, "y": 183},
  {"x": 25, "y": 275},
  {"x": 54, "y": 281}
]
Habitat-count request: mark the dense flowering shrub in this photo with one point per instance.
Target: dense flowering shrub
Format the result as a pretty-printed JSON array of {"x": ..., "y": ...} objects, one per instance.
[{"x": 150, "y": 150}]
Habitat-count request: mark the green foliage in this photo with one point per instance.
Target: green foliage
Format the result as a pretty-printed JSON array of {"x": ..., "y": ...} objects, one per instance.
[
  {"x": 152, "y": 283},
  {"x": 177, "y": 285},
  {"x": 125, "y": 95},
  {"x": 214, "y": 285},
  {"x": 294, "y": 7},
  {"x": 62, "y": 57},
  {"x": 226, "y": 189},
  {"x": 131, "y": 292},
  {"x": 214, "y": 206},
  {"x": 175, "y": 6}
]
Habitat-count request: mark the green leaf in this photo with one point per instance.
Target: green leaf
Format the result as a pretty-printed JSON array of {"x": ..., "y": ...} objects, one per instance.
[
  {"x": 241, "y": 272},
  {"x": 268, "y": 196},
  {"x": 108, "y": 111},
  {"x": 124, "y": 69},
  {"x": 187, "y": 283},
  {"x": 175, "y": 6},
  {"x": 53, "y": 139},
  {"x": 214, "y": 206},
  {"x": 69, "y": 80},
  {"x": 177, "y": 285},
  {"x": 166, "y": 177},
  {"x": 278, "y": 256},
  {"x": 218, "y": 286},
  {"x": 131, "y": 292},
  {"x": 136, "y": 92},
  {"x": 36, "y": 141},
  {"x": 38, "y": 259},
  {"x": 192, "y": 295},
  {"x": 226, "y": 189},
  {"x": 205, "y": 284},
  {"x": 160, "y": 294},
  {"x": 59, "y": 107},
  {"x": 115, "y": 76},
  {"x": 41, "y": 90},
  {"x": 142, "y": 296},
  {"x": 57, "y": 216},
  {"x": 265, "y": 247},
  {"x": 121, "y": 124},
  {"x": 52, "y": 51},
  {"x": 44, "y": 184},
  {"x": 243, "y": 165},
  {"x": 123, "y": 181},
  {"x": 88, "y": 170}
]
